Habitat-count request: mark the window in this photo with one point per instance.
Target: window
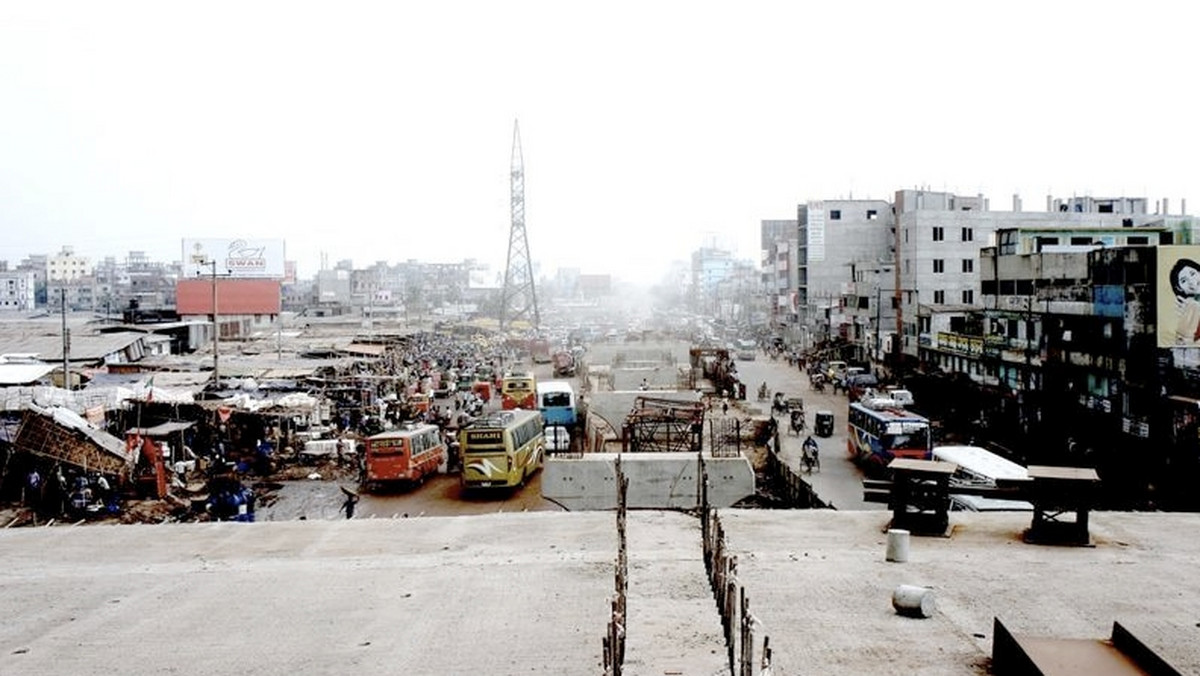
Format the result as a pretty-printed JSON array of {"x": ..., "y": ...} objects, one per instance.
[
  {"x": 968, "y": 297},
  {"x": 872, "y": 214},
  {"x": 1077, "y": 241},
  {"x": 924, "y": 324},
  {"x": 939, "y": 297},
  {"x": 968, "y": 235},
  {"x": 939, "y": 265},
  {"x": 835, "y": 214},
  {"x": 1138, "y": 240},
  {"x": 968, "y": 265},
  {"x": 939, "y": 234}
]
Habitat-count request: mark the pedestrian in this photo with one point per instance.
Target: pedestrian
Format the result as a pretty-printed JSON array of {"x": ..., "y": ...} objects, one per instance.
[
  {"x": 724, "y": 407},
  {"x": 349, "y": 503},
  {"x": 33, "y": 488}
]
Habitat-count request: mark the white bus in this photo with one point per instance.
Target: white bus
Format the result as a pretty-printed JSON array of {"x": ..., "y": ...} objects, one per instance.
[{"x": 979, "y": 467}]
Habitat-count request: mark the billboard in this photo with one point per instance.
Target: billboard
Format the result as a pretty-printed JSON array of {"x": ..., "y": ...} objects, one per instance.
[
  {"x": 1178, "y": 282},
  {"x": 233, "y": 296},
  {"x": 239, "y": 258}
]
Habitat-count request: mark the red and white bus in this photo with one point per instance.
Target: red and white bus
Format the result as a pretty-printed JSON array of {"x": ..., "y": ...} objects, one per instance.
[{"x": 405, "y": 455}]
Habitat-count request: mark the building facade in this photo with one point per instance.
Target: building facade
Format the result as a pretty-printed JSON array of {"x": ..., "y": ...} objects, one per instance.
[{"x": 17, "y": 291}]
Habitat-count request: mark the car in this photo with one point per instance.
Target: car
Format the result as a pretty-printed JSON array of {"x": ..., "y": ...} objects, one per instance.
[{"x": 558, "y": 439}]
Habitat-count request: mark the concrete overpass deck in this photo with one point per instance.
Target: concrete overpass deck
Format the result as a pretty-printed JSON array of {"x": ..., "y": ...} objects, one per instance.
[{"x": 528, "y": 593}]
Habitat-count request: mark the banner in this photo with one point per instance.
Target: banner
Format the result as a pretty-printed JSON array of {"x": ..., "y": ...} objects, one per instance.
[{"x": 1178, "y": 311}]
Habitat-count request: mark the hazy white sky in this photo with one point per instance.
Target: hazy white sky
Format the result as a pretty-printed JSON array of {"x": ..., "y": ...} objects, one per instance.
[{"x": 382, "y": 131}]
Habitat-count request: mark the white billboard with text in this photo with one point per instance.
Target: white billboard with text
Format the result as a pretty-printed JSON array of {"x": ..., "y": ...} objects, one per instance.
[{"x": 256, "y": 258}]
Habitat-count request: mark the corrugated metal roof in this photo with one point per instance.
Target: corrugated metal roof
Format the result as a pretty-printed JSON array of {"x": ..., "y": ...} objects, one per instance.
[
  {"x": 24, "y": 374},
  {"x": 84, "y": 347}
]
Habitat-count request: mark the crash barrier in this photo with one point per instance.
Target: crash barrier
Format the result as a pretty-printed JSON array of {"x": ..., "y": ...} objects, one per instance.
[
  {"x": 614, "y": 639},
  {"x": 736, "y": 619},
  {"x": 656, "y": 480},
  {"x": 786, "y": 483}
]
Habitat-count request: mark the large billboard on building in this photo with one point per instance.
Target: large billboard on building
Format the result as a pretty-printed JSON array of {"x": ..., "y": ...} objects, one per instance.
[
  {"x": 233, "y": 296},
  {"x": 1178, "y": 311},
  {"x": 239, "y": 258}
]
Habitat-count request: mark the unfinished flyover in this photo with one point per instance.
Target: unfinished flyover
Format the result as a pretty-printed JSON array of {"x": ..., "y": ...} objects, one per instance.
[{"x": 529, "y": 593}]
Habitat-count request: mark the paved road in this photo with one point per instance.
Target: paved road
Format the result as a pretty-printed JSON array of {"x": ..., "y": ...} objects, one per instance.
[{"x": 839, "y": 481}]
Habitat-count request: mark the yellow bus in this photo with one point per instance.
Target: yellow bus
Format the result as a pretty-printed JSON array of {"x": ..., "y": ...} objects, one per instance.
[
  {"x": 518, "y": 390},
  {"x": 502, "y": 449}
]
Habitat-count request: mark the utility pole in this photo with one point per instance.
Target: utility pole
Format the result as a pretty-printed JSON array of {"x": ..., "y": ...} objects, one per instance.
[
  {"x": 878, "y": 310},
  {"x": 66, "y": 337},
  {"x": 216, "y": 328}
]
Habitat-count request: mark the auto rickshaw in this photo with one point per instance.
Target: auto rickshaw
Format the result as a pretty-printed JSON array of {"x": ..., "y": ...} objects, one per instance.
[{"x": 823, "y": 423}]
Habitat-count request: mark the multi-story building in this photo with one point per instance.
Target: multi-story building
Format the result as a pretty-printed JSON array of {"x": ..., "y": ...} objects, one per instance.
[
  {"x": 331, "y": 291},
  {"x": 837, "y": 237},
  {"x": 939, "y": 236},
  {"x": 868, "y": 311},
  {"x": 151, "y": 283},
  {"x": 66, "y": 266},
  {"x": 780, "y": 242},
  {"x": 17, "y": 291},
  {"x": 1076, "y": 357},
  {"x": 36, "y": 263}
]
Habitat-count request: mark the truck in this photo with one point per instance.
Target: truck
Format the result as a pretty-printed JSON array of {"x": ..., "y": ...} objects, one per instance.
[
  {"x": 564, "y": 364},
  {"x": 539, "y": 350}
]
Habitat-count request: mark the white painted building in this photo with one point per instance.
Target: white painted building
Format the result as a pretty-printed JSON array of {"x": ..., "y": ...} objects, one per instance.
[
  {"x": 67, "y": 266},
  {"x": 838, "y": 237},
  {"x": 939, "y": 236},
  {"x": 17, "y": 291}
]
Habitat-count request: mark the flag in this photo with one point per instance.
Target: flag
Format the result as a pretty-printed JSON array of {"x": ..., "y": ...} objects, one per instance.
[{"x": 150, "y": 390}]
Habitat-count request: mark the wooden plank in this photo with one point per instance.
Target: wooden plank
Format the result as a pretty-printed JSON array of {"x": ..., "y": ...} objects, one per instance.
[
  {"x": 1063, "y": 473},
  {"x": 922, "y": 466}
]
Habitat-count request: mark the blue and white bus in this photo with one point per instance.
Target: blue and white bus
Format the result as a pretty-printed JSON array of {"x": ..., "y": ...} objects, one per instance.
[
  {"x": 556, "y": 401},
  {"x": 880, "y": 432}
]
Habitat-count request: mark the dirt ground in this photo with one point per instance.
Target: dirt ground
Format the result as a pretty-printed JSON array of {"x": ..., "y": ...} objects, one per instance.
[{"x": 307, "y": 491}]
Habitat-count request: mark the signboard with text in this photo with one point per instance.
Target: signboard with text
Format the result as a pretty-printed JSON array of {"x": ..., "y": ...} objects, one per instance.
[{"x": 238, "y": 258}]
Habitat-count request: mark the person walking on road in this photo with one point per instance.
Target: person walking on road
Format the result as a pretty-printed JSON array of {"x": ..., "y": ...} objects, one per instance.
[{"x": 349, "y": 503}]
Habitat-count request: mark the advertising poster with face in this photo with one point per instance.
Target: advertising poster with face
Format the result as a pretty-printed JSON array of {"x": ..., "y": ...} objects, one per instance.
[{"x": 1179, "y": 296}]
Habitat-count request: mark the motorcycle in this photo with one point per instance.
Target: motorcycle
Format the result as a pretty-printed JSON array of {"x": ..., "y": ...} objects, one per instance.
[
  {"x": 797, "y": 422},
  {"x": 810, "y": 455}
]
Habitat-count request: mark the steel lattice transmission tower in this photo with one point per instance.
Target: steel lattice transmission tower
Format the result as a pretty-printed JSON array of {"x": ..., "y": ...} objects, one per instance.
[{"x": 518, "y": 298}]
